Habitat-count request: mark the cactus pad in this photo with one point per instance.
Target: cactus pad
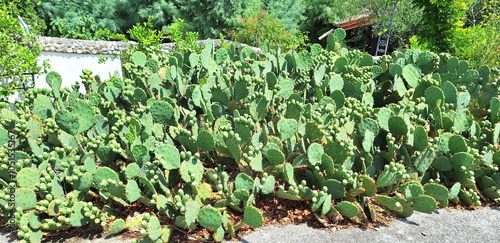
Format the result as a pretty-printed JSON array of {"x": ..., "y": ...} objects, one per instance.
[
  {"x": 425, "y": 204},
  {"x": 253, "y": 217},
  {"x": 116, "y": 226},
  {"x": 210, "y": 217},
  {"x": 347, "y": 209}
]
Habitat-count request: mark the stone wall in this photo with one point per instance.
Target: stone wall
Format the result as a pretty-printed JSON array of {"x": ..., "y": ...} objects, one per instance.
[{"x": 63, "y": 45}]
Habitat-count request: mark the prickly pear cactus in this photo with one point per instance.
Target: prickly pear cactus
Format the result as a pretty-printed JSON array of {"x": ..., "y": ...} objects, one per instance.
[{"x": 197, "y": 138}]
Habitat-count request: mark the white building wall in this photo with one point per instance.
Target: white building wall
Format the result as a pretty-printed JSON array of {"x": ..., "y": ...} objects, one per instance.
[{"x": 70, "y": 66}]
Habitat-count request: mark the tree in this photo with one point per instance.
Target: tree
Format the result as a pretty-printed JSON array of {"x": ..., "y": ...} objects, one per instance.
[
  {"x": 440, "y": 20},
  {"x": 18, "y": 50}
]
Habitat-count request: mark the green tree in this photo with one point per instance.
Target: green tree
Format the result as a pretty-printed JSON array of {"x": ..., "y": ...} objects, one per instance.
[
  {"x": 130, "y": 12},
  {"x": 440, "y": 20},
  {"x": 78, "y": 18},
  {"x": 18, "y": 50},
  {"x": 26, "y": 10}
]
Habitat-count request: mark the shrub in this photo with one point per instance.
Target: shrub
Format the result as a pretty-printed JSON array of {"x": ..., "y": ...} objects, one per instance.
[{"x": 18, "y": 53}]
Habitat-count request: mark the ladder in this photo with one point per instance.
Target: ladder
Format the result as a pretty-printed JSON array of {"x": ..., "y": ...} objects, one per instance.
[{"x": 385, "y": 28}]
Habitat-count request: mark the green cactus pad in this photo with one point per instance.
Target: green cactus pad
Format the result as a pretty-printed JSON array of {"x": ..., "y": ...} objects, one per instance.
[
  {"x": 442, "y": 163},
  {"x": 139, "y": 58},
  {"x": 275, "y": 156},
  {"x": 205, "y": 141},
  {"x": 28, "y": 177},
  {"x": 85, "y": 114},
  {"x": 169, "y": 156},
  {"x": 192, "y": 209},
  {"x": 192, "y": 167},
  {"x": 450, "y": 92},
  {"x": 397, "y": 126},
  {"x": 288, "y": 173},
  {"x": 106, "y": 155},
  {"x": 25, "y": 198},
  {"x": 154, "y": 228},
  {"x": 287, "y": 128},
  {"x": 438, "y": 192},
  {"x": 420, "y": 139},
  {"x": 368, "y": 184},
  {"x": 457, "y": 144},
  {"x": 67, "y": 122},
  {"x": 347, "y": 209},
  {"x": 163, "y": 112},
  {"x": 335, "y": 188},
  {"x": 105, "y": 173},
  {"x": 463, "y": 120},
  {"x": 327, "y": 206},
  {"x": 84, "y": 182},
  {"x": 139, "y": 152},
  {"x": 463, "y": 159},
  {"x": 434, "y": 97},
  {"x": 243, "y": 181},
  {"x": 256, "y": 162},
  {"x": 412, "y": 191},
  {"x": 234, "y": 148},
  {"x": 268, "y": 185},
  {"x": 407, "y": 207},
  {"x": 116, "y": 226},
  {"x": 424, "y": 160},
  {"x": 395, "y": 69},
  {"x": 314, "y": 153},
  {"x": 253, "y": 217},
  {"x": 389, "y": 202},
  {"x": 412, "y": 73},
  {"x": 132, "y": 170},
  {"x": 210, "y": 217},
  {"x": 368, "y": 124},
  {"x": 77, "y": 217},
  {"x": 425, "y": 204},
  {"x": 313, "y": 132},
  {"x": 386, "y": 178},
  {"x": 54, "y": 80},
  {"x": 368, "y": 138}
]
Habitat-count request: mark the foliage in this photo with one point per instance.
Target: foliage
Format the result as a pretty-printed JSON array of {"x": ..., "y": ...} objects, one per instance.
[
  {"x": 84, "y": 28},
  {"x": 26, "y": 10},
  {"x": 147, "y": 38},
  {"x": 478, "y": 40},
  {"x": 440, "y": 20},
  {"x": 333, "y": 128},
  {"x": 185, "y": 41},
  {"x": 405, "y": 24},
  {"x": 264, "y": 29},
  {"x": 480, "y": 43},
  {"x": 18, "y": 53}
]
